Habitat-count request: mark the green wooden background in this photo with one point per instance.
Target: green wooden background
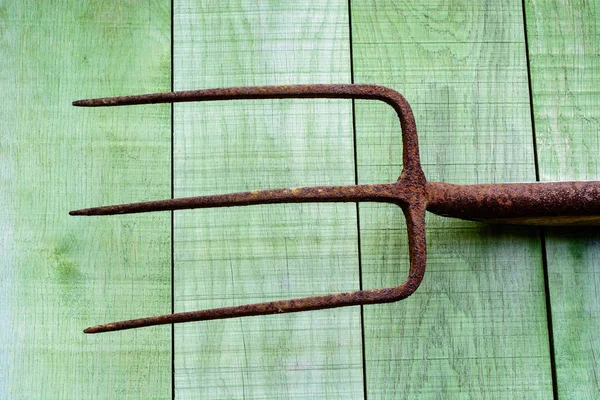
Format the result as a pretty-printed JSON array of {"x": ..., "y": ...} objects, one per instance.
[{"x": 503, "y": 91}]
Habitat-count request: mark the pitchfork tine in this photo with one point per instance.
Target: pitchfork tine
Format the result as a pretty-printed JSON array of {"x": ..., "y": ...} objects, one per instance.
[
  {"x": 414, "y": 220},
  {"x": 385, "y": 193},
  {"x": 410, "y": 145}
]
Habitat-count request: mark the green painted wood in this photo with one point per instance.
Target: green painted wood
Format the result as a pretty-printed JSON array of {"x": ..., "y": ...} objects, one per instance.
[
  {"x": 564, "y": 50},
  {"x": 236, "y": 256},
  {"x": 61, "y": 274},
  {"x": 477, "y": 326}
]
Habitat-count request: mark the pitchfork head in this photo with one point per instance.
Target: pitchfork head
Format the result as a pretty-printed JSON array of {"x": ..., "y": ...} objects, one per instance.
[{"x": 409, "y": 192}]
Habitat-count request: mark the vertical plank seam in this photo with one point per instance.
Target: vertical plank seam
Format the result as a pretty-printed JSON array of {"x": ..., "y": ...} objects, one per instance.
[
  {"x": 172, "y": 212},
  {"x": 355, "y": 147},
  {"x": 542, "y": 232}
]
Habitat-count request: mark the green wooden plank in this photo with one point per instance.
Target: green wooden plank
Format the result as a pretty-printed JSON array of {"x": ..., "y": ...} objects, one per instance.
[
  {"x": 477, "y": 326},
  {"x": 564, "y": 50},
  {"x": 61, "y": 274},
  {"x": 236, "y": 256}
]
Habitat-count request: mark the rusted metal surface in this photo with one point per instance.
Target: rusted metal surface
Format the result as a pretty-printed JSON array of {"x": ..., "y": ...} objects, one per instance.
[
  {"x": 549, "y": 203},
  {"x": 560, "y": 203}
]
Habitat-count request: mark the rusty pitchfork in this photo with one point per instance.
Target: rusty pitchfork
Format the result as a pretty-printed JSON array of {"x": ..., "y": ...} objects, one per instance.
[{"x": 556, "y": 203}]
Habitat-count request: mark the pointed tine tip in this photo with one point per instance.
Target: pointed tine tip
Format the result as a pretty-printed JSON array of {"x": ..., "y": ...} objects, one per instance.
[
  {"x": 104, "y": 210},
  {"x": 99, "y": 329},
  {"x": 88, "y": 103},
  {"x": 94, "y": 329},
  {"x": 106, "y": 328}
]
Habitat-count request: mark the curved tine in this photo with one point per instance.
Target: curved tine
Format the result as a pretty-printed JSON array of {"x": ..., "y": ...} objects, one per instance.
[
  {"x": 388, "y": 193},
  {"x": 410, "y": 145},
  {"x": 415, "y": 218},
  {"x": 417, "y": 248}
]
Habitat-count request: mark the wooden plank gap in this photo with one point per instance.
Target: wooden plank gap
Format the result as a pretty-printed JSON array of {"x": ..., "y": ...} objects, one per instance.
[{"x": 542, "y": 231}]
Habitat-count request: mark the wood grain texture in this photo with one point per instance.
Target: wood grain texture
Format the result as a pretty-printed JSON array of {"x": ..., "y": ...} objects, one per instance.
[
  {"x": 236, "y": 256},
  {"x": 477, "y": 326},
  {"x": 61, "y": 274},
  {"x": 564, "y": 50}
]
